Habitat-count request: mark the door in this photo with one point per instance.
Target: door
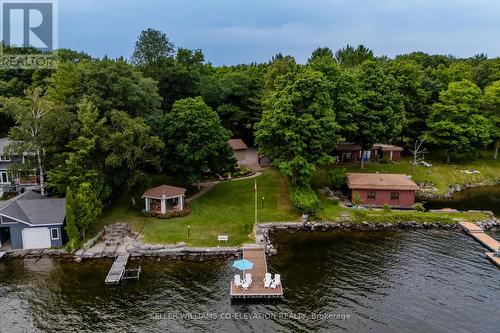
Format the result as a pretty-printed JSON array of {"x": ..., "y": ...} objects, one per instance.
[{"x": 36, "y": 238}]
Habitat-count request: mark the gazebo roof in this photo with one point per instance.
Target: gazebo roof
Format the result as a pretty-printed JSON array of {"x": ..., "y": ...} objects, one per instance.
[{"x": 164, "y": 191}]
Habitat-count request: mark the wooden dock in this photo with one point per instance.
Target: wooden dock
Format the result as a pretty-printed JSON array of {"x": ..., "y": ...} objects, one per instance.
[
  {"x": 494, "y": 259},
  {"x": 2, "y": 254},
  {"x": 478, "y": 234},
  {"x": 118, "y": 270},
  {"x": 256, "y": 254}
]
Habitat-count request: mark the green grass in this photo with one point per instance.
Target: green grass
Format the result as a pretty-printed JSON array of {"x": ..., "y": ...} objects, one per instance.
[
  {"x": 442, "y": 175},
  {"x": 226, "y": 209},
  {"x": 331, "y": 211}
]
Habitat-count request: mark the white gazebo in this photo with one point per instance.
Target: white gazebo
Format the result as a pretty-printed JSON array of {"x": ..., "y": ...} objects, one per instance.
[{"x": 164, "y": 198}]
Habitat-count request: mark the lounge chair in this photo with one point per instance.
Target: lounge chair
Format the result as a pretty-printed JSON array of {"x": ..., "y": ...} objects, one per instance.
[
  {"x": 267, "y": 280},
  {"x": 276, "y": 282},
  {"x": 237, "y": 281},
  {"x": 247, "y": 282}
]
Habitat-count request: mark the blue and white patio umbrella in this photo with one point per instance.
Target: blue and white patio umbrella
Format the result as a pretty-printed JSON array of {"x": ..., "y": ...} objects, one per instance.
[{"x": 243, "y": 264}]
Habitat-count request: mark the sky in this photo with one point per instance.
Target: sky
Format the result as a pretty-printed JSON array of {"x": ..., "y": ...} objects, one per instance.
[{"x": 235, "y": 31}]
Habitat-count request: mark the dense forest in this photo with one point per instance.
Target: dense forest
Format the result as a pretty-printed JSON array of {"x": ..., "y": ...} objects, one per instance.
[{"x": 99, "y": 127}]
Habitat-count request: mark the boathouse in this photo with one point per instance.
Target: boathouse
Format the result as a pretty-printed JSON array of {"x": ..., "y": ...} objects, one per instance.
[{"x": 376, "y": 190}]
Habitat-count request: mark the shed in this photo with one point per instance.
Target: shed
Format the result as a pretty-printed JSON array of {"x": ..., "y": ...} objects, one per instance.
[
  {"x": 390, "y": 152},
  {"x": 239, "y": 148},
  {"x": 395, "y": 190}
]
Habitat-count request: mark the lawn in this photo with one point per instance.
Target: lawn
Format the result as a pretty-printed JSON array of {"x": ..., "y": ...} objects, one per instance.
[
  {"x": 331, "y": 211},
  {"x": 227, "y": 209},
  {"x": 442, "y": 175}
]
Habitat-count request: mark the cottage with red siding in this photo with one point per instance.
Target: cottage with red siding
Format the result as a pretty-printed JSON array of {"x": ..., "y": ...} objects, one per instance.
[{"x": 376, "y": 190}]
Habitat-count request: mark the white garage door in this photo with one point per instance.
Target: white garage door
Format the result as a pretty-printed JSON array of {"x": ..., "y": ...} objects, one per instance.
[{"x": 36, "y": 238}]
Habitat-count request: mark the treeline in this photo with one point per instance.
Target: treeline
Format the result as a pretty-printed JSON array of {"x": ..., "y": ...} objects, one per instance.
[{"x": 105, "y": 124}]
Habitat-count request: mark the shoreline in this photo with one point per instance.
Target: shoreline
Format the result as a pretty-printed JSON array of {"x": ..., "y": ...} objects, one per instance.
[
  {"x": 264, "y": 234},
  {"x": 427, "y": 194}
]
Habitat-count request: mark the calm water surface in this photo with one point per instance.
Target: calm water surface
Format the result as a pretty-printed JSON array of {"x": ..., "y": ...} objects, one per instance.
[
  {"x": 481, "y": 198},
  {"x": 419, "y": 281}
]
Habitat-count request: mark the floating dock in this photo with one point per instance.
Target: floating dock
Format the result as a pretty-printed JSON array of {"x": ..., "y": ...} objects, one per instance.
[
  {"x": 478, "y": 234},
  {"x": 257, "y": 255},
  {"x": 119, "y": 272},
  {"x": 2, "y": 254}
]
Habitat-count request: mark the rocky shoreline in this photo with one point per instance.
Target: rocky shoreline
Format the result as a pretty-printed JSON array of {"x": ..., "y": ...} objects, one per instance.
[
  {"x": 270, "y": 230},
  {"x": 264, "y": 233},
  {"x": 431, "y": 194}
]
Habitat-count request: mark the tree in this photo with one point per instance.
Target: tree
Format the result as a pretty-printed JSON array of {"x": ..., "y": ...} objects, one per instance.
[
  {"x": 195, "y": 140},
  {"x": 455, "y": 122},
  {"x": 343, "y": 88},
  {"x": 71, "y": 228},
  {"x": 349, "y": 56},
  {"x": 87, "y": 206},
  {"x": 34, "y": 116},
  {"x": 492, "y": 107},
  {"x": 83, "y": 161},
  {"x": 130, "y": 149},
  {"x": 410, "y": 79},
  {"x": 298, "y": 128},
  {"x": 151, "y": 47},
  {"x": 382, "y": 115},
  {"x": 108, "y": 84}
]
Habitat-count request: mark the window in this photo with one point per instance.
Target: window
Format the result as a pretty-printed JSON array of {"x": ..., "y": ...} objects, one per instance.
[
  {"x": 394, "y": 195},
  {"x": 3, "y": 177},
  {"x": 4, "y": 158},
  {"x": 370, "y": 195},
  {"x": 54, "y": 233}
]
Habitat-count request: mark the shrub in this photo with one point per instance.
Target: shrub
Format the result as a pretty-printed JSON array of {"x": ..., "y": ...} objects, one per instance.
[
  {"x": 360, "y": 215},
  {"x": 337, "y": 177},
  {"x": 356, "y": 199},
  {"x": 304, "y": 198},
  {"x": 387, "y": 208},
  {"x": 419, "y": 207}
]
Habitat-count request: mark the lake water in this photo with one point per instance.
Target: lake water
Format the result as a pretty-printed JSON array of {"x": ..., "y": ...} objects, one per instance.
[
  {"x": 416, "y": 281},
  {"x": 481, "y": 198}
]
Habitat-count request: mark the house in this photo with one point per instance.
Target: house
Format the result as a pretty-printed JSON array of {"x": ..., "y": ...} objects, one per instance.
[
  {"x": 11, "y": 181},
  {"x": 165, "y": 198},
  {"x": 351, "y": 152},
  {"x": 348, "y": 152},
  {"x": 239, "y": 148},
  {"x": 390, "y": 152},
  {"x": 376, "y": 190},
  {"x": 31, "y": 221}
]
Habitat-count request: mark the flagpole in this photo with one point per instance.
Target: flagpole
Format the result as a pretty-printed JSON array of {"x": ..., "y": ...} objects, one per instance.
[{"x": 255, "y": 199}]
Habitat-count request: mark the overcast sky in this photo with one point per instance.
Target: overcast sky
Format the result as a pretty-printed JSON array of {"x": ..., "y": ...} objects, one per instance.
[{"x": 236, "y": 31}]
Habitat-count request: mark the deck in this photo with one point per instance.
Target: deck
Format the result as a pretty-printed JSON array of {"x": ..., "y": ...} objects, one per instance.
[
  {"x": 478, "y": 234},
  {"x": 494, "y": 259},
  {"x": 257, "y": 256}
]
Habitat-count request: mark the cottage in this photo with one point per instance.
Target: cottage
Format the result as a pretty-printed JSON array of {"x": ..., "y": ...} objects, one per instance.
[
  {"x": 390, "y": 152},
  {"x": 239, "y": 148},
  {"x": 376, "y": 190},
  {"x": 348, "y": 152},
  {"x": 351, "y": 152},
  {"x": 31, "y": 221},
  {"x": 165, "y": 198},
  {"x": 13, "y": 181}
]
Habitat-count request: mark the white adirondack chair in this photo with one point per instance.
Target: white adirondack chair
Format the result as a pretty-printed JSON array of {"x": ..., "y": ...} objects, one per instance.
[{"x": 276, "y": 282}]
